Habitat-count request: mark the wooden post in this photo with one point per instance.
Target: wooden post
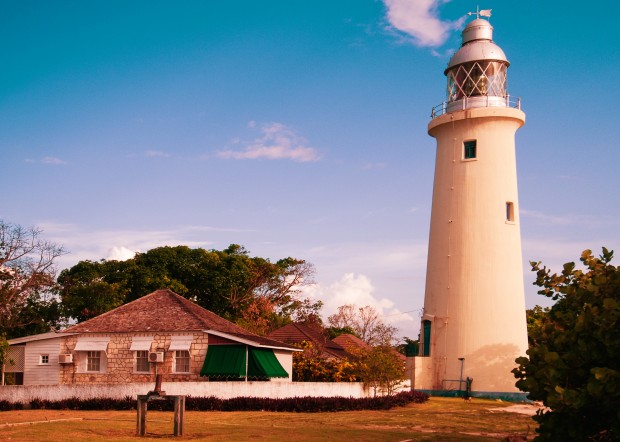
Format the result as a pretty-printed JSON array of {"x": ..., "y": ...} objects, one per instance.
[
  {"x": 141, "y": 420},
  {"x": 179, "y": 415}
]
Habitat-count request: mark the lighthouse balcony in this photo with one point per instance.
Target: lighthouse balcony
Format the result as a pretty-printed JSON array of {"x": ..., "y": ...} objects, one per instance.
[{"x": 473, "y": 102}]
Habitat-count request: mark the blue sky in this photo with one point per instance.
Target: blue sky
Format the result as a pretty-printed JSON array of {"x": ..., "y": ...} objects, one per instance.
[{"x": 294, "y": 128}]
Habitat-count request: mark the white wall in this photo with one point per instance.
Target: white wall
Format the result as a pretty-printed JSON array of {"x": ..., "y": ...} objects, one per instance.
[
  {"x": 223, "y": 390},
  {"x": 36, "y": 373}
]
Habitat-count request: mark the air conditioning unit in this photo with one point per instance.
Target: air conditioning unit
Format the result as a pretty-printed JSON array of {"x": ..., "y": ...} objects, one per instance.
[
  {"x": 156, "y": 356},
  {"x": 66, "y": 358}
]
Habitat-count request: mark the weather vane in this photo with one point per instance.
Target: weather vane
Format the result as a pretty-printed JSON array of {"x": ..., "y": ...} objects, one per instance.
[{"x": 479, "y": 13}]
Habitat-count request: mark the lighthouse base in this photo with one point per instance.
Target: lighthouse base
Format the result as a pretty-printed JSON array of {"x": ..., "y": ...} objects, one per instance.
[
  {"x": 496, "y": 395},
  {"x": 426, "y": 380}
]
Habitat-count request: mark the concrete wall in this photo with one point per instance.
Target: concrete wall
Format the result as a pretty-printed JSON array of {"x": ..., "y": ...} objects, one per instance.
[{"x": 223, "y": 390}]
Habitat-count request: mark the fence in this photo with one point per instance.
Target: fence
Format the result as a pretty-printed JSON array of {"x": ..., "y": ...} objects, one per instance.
[{"x": 223, "y": 390}]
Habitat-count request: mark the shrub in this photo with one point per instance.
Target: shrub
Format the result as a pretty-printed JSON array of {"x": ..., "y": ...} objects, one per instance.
[{"x": 305, "y": 404}]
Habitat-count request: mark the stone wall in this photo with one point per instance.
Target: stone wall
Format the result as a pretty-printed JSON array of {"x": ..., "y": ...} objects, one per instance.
[
  {"x": 120, "y": 360},
  {"x": 223, "y": 390}
]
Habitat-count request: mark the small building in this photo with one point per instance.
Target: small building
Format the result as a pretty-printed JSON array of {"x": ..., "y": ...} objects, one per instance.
[
  {"x": 296, "y": 333},
  {"x": 160, "y": 333}
]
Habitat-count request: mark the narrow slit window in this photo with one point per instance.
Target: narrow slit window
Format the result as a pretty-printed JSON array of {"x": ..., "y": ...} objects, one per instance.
[
  {"x": 469, "y": 149},
  {"x": 426, "y": 329},
  {"x": 510, "y": 212}
]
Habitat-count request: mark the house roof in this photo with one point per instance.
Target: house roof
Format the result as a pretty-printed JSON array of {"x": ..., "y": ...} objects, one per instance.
[
  {"x": 39, "y": 337},
  {"x": 350, "y": 343},
  {"x": 296, "y": 333},
  {"x": 165, "y": 311}
]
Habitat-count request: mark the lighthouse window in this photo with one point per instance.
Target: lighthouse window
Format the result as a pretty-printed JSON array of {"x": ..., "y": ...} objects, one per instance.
[
  {"x": 510, "y": 212},
  {"x": 426, "y": 329},
  {"x": 469, "y": 149}
]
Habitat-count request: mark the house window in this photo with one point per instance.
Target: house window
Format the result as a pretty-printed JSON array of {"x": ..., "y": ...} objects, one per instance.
[
  {"x": 510, "y": 212},
  {"x": 181, "y": 361},
  {"x": 142, "y": 361},
  {"x": 93, "y": 361},
  {"x": 44, "y": 359},
  {"x": 469, "y": 149}
]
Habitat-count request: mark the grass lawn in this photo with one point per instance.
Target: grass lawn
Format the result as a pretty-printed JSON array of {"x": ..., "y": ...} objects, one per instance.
[{"x": 440, "y": 419}]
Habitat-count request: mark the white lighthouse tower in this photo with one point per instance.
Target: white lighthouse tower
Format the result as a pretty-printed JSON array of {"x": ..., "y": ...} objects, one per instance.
[{"x": 473, "y": 325}]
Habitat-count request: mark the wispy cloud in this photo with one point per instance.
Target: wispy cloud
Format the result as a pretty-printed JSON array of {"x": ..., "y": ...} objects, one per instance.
[
  {"x": 549, "y": 219},
  {"x": 371, "y": 166},
  {"x": 156, "y": 154},
  {"x": 419, "y": 20},
  {"x": 276, "y": 142},
  {"x": 84, "y": 243},
  {"x": 53, "y": 161}
]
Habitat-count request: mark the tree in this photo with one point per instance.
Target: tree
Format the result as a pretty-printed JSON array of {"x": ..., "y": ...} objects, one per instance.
[
  {"x": 310, "y": 366},
  {"x": 27, "y": 277},
  {"x": 573, "y": 363},
  {"x": 381, "y": 368},
  {"x": 535, "y": 319},
  {"x": 365, "y": 322},
  {"x": 249, "y": 290}
]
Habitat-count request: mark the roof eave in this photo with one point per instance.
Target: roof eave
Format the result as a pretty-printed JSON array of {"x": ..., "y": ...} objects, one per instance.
[{"x": 247, "y": 341}]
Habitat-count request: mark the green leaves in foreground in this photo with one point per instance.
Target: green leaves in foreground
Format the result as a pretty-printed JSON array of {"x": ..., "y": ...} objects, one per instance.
[{"x": 573, "y": 363}]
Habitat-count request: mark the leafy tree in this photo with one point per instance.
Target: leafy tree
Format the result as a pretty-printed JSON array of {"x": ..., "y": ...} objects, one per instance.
[
  {"x": 334, "y": 332},
  {"x": 535, "y": 319},
  {"x": 411, "y": 347},
  {"x": 86, "y": 294},
  {"x": 310, "y": 366},
  {"x": 573, "y": 363},
  {"x": 4, "y": 348},
  {"x": 27, "y": 277},
  {"x": 381, "y": 368},
  {"x": 365, "y": 322},
  {"x": 250, "y": 290}
]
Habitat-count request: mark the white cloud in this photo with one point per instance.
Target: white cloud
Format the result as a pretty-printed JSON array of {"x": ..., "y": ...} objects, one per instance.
[
  {"x": 83, "y": 243},
  {"x": 276, "y": 142},
  {"x": 357, "y": 290},
  {"x": 419, "y": 19},
  {"x": 121, "y": 253}
]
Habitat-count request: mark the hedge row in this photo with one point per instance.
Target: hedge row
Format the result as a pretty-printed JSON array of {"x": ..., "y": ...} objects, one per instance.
[{"x": 298, "y": 404}]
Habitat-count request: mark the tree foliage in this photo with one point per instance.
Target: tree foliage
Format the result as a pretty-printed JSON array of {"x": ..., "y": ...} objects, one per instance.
[
  {"x": 27, "y": 277},
  {"x": 310, "y": 366},
  {"x": 365, "y": 322},
  {"x": 250, "y": 290},
  {"x": 573, "y": 363},
  {"x": 381, "y": 369}
]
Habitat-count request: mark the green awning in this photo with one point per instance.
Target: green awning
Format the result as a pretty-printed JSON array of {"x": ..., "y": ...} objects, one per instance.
[
  {"x": 224, "y": 361},
  {"x": 228, "y": 361},
  {"x": 263, "y": 363}
]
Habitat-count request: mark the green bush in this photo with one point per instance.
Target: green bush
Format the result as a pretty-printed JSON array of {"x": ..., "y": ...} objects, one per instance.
[{"x": 297, "y": 404}]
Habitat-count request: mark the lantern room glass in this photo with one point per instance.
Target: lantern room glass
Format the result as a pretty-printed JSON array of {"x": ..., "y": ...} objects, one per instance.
[{"x": 477, "y": 78}]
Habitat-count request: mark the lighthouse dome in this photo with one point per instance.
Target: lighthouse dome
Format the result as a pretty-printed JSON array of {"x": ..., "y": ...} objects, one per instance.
[{"x": 478, "y": 45}]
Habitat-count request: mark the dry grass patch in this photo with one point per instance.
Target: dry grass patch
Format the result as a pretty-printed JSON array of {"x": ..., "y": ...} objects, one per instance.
[{"x": 440, "y": 419}]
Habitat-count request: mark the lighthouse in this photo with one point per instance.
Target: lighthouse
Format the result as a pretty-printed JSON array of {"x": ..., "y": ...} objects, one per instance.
[{"x": 473, "y": 323}]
